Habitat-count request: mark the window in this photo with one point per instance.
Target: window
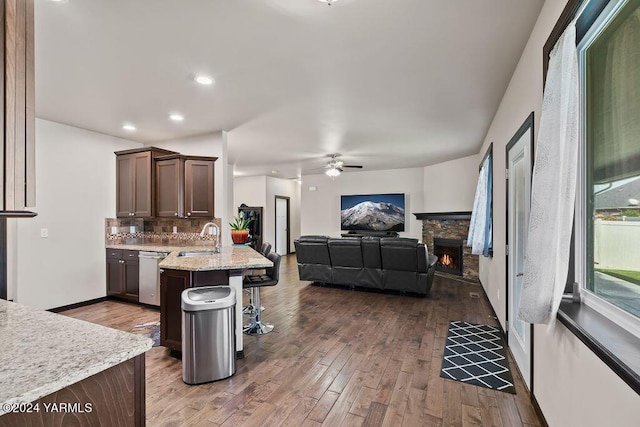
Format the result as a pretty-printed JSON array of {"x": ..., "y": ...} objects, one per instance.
[{"x": 608, "y": 204}]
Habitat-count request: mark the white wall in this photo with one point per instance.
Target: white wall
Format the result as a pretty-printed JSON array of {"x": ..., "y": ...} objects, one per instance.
[
  {"x": 250, "y": 190},
  {"x": 261, "y": 191},
  {"x": 572, "y": 386},
  {"x": 75, "y": 192},
  {"x": 287, "y": 188},
  {"x": 320, "y": 209},
  {"x": 212, "y": 145},
  {"x": 451, "y": 186}
]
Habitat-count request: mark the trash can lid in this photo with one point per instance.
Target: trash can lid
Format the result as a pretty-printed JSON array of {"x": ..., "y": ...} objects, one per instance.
[{"x": 208, "y": 298}]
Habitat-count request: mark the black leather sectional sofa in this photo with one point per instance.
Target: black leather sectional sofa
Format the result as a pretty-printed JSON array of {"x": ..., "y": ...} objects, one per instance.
[{"x": 387, "y": 263}]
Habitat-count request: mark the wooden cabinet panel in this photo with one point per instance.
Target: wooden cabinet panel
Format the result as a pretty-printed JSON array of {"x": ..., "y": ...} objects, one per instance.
[
  {"x": 124, "y": 186},
  {"x": 184, "y": 186},
  {"x": 172, "y": 283},
  {"x": 116, "y": 396},
  {"x": 199, "y": 189},
  {"x": 135, "y": 180},
  {"x": 169, "y": 187},
  {"x": 114, "y": 276},
  {"x": 142, "y": 193},
  {"x": 131, "y": 278},
  {"x": 17, "y": 156},
  {"x": 123, "y": 274}
]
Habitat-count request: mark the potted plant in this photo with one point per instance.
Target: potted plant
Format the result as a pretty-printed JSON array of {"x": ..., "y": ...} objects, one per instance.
[{"x": 240, "y": 229}]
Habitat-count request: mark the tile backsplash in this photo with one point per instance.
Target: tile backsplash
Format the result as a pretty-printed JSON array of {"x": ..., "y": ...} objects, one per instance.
[{"x": 157, "y": 228}]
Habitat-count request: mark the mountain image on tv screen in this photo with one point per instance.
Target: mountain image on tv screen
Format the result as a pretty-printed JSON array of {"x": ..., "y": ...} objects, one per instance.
[{"x": 372, "y": 212}]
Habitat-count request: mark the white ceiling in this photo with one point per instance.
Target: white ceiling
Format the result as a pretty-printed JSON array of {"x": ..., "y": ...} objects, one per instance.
[{"x": 387, "y": 83}]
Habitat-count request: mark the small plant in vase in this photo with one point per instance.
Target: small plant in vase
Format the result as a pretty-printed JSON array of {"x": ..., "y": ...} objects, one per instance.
[{"x": 240, "y": 229}]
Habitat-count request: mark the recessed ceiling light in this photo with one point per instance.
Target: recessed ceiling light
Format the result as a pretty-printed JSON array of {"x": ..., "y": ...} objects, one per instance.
[
  {"x": 129, "y": 127},
  {"x": 59, "y": 1},
  {"x": 204, "y": 80},
  {"x": 176, "y": 117},
  {"x": 274, "y": 172},
  {"x": 328, "y": 1}
]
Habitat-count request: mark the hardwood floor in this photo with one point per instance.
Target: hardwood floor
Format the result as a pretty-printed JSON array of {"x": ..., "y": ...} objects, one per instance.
[{"x": 336, "y": 357}]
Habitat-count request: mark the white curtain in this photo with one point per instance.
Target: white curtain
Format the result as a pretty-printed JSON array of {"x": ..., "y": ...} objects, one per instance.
[
  {"x": 479, "y": 237},
  {"x": 554, "y": 187}
]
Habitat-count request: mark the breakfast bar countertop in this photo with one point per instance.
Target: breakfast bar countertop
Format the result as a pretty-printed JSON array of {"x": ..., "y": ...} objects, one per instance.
[
  {"x": 229, "y": 258},
  {"x": 44, "y": 352}
]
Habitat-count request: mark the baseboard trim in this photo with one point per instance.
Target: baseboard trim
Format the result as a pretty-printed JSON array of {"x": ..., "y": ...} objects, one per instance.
[
  {"x": 77, "y": 305},
  {"x": 536, "y": 407},
  {"x": 532, "y": 397}
]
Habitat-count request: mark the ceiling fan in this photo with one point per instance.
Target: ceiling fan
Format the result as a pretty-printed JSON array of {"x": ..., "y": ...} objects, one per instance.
[{"x": 335, "y": 166}]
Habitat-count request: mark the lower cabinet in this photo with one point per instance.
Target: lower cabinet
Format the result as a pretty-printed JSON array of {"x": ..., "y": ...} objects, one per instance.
[
  {"x": 172, "y": 283},
  {"x": 123, "y": 270}
]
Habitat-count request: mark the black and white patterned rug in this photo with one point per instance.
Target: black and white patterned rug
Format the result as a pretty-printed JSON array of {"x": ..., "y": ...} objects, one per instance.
[{"x": 475, "y": 354}]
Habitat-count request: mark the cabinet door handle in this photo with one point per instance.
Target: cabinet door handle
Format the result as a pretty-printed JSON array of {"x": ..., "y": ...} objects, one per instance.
[
  {"x": 175, "y": 214},
  {"x": 188, "y": 213},
  {"x": 161, "y": 271}
]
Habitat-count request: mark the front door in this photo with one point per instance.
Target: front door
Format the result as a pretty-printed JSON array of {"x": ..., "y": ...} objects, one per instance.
[{"x": 519, "y": 161}]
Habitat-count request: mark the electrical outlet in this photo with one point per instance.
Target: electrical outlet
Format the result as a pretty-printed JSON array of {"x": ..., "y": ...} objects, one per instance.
[
  {"x": 44, "y": 232},
  {"x": 132, "y": 229},
  {"x": 175, "y": 229}
]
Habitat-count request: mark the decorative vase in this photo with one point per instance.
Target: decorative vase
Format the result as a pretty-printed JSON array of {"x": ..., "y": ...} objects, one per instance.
[{"x": 239, "y": 237}]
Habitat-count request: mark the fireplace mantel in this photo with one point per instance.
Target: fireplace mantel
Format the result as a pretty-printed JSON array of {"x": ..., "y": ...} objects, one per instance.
[{"x": 444, "y": 215}]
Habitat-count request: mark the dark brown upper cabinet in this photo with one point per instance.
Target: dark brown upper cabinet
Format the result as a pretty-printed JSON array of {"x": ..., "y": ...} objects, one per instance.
[
  {"x": 184, "y": 186},
  {"x": 135, "y": 177},
  {"x": 17, "y": 109}
]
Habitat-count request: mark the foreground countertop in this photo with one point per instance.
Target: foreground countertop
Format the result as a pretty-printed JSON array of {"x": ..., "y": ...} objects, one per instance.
[
  {"x": 229, "y": 258},
  {"x": 45, "y": 352}
]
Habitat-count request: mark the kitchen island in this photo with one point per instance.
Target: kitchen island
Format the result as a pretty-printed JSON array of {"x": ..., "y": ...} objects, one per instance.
[
  {"x": 205, "y": 268},
  {"x": 67, "y": 371},
  {"x": 195, "y": 269}
]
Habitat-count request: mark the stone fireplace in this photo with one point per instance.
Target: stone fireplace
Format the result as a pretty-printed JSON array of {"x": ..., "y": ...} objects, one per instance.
[
  {"x": 449, "y": 253},
  {"x": 445, "y": 234}
]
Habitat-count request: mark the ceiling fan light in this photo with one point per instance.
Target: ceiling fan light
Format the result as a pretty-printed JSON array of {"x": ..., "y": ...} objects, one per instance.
[{"x": 332, "y": 172}]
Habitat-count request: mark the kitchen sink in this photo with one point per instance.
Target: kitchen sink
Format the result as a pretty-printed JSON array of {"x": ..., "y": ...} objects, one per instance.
[{"x": 196, "y": 253}]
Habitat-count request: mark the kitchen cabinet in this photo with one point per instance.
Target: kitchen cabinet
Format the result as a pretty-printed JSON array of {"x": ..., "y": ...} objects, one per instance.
[
  {"x": 172, "y": 283},
  {"x": 184, "y": 186},
  {"x": 135, "y": 176},
  {"x": 17, "y": 127},
  {"x": 123, "y": 270}
]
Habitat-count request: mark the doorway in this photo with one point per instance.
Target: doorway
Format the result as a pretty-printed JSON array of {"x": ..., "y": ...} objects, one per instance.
[
  {"x": 282, "y": 225},
  {"x": 519, "y": 153}
]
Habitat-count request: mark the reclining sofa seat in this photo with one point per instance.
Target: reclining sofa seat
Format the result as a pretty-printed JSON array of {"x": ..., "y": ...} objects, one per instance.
[
  {"x": 387, "y": 263},
  {"x": 404, "y": 264},
  {"x": 313, "y": 258}
]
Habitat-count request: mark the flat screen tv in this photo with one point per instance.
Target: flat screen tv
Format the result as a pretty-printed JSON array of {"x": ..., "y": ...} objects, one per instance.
[{"x": 372, "y": 212}]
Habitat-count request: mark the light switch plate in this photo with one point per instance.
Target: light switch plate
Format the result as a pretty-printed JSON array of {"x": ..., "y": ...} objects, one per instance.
[{"x": 44, "y": 232}]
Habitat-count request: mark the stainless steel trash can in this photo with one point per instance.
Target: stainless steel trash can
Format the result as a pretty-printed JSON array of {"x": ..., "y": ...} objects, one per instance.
[{"x": 208, "y": 334}]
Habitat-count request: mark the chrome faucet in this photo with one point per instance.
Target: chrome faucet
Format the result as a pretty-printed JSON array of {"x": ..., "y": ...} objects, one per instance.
[{"x": 216, "y": 233}]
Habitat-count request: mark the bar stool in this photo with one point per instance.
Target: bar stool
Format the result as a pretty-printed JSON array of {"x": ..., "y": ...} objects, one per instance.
[
  {"x": 249, "y": 310},
  {"x": 270, "y": 278}
]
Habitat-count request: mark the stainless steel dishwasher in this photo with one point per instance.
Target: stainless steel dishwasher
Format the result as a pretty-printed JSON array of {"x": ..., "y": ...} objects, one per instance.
[{"x": 149, "y": 289}]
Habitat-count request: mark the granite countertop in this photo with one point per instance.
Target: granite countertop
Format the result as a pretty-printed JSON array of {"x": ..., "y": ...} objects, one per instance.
[
  {"x": 44, "y": 352},
  {"x": 160, "y": 245},
  {"x": 229, "y": 258}
]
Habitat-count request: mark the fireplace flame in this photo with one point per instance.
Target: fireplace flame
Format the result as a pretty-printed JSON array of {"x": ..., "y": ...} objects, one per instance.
[{"x": 446, "y": 260}]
